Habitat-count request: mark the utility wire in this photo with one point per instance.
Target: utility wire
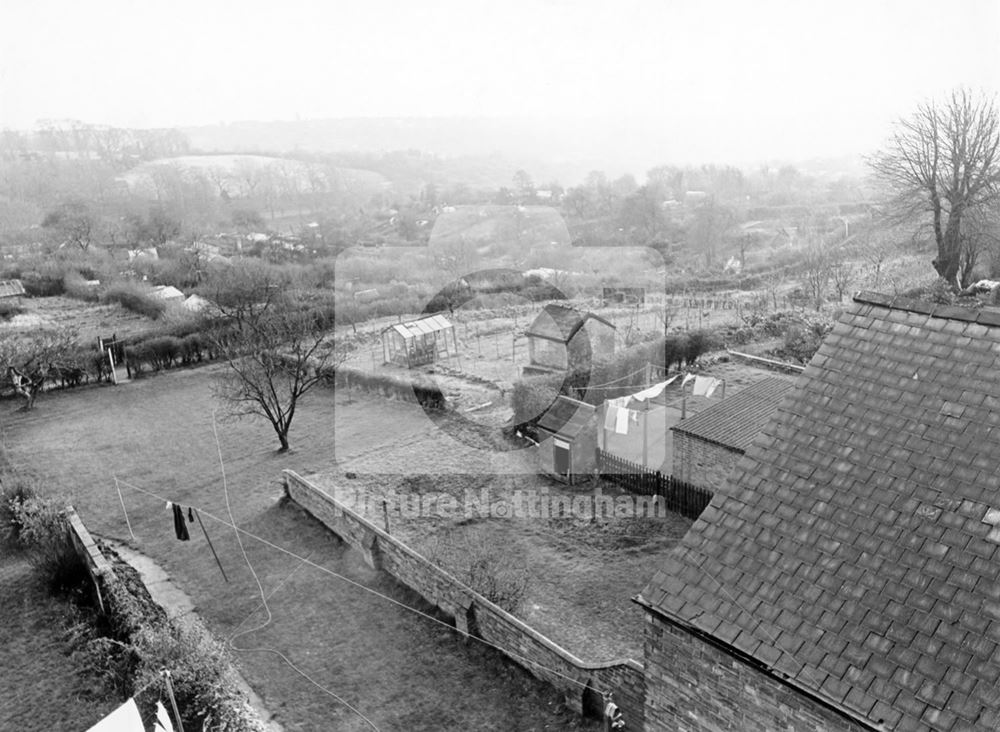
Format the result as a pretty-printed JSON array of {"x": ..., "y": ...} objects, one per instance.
[
  {"x": 370, "y": 590},
  {"x": 263, "y": 596}
]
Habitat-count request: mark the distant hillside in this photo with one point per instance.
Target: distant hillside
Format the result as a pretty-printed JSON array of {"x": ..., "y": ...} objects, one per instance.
[
  {"x": 547, "y": 149},
  {"x": 240, "y": 176}
]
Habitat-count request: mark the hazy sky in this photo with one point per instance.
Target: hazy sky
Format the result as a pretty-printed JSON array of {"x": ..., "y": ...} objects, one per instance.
[{"x": 733, "y": 80}]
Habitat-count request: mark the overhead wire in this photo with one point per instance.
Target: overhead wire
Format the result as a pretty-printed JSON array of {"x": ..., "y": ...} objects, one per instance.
[
  {"x": 263, "y": 596},
  {"x": 369, "y": 590}
]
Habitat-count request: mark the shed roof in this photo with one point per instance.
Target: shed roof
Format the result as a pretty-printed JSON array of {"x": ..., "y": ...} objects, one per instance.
[
  {"x": 736, "y": 421},
  {"x": 560, "y": 323},
  {"x": 566, "y": 417},
  {"x": 424, "y": 326},
  {"x": 855, "y": 550},
  {"x": 11, "y": 288}
]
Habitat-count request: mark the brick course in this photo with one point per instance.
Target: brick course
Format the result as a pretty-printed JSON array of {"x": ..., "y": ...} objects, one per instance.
[
  {"x": 701, "y": 462},
  {"x": 693, "y": 685},
  {"x": 472, "y": 613}
]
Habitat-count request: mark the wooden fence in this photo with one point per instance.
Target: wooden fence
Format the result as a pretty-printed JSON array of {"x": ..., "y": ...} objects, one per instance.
[{"x": 681, "y": 497}]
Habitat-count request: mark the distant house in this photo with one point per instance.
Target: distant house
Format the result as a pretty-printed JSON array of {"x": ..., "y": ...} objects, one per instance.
[
  {"x": 567, "y": 440},
  {"x": 846, "y": 575},
  {"x": 168, "y": 293},
  {"x": 11, "y": 290},
  {"x": 707, "y": 446},
  {"x": 624, "y": 295},
  {"x": 562, "y": 338},
  {"x": 197, "y": 304}
]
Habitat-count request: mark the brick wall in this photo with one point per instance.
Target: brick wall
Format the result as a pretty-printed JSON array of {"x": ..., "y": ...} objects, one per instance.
[
  {"x": 701, "y": 462},
  {"x": 474, "y": 614},
  {"x": 694, "y": 685}
]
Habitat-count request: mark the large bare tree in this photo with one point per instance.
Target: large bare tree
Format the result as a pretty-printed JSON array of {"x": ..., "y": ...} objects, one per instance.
[
  {"x": 943, "y": 164},
  {"x": 276, "y": 349}
]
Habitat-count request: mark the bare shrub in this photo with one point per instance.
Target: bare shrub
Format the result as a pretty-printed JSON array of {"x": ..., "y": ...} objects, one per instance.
[{"x": 485, "y": 561}]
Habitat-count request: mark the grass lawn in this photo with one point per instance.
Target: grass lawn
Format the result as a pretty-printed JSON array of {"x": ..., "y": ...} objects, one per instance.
[
  {"x": 42, "y": 688},
  {"x": 399, "y": 669}
]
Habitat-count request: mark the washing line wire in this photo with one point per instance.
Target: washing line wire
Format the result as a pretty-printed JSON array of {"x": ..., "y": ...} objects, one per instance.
[
  {"x": 263, "y": 595},
  {"x": 365, "y": 588}
]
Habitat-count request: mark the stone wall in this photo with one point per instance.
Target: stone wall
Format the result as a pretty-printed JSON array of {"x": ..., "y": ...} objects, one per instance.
[
  {"x": 694, "y": 685},
  {"x": 473, "y": 614},
  {"x": 702, "y": 463}
]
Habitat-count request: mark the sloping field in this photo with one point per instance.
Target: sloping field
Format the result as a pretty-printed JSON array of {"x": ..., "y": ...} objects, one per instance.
[{"x": 156, "y": 434}]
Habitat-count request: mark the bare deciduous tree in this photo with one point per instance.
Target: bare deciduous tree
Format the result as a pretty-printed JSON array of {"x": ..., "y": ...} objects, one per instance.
[
  {"x": 943, "y": 162},
  {"x": 817, "y": 270},
  {"x": 276, "y": 351},
  {"x": 30, "y": 361}
]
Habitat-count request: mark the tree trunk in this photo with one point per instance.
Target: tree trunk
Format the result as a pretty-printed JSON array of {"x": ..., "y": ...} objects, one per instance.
[
  {"x": 283, "y": 439},
  {"x": 948, "y": 262}
]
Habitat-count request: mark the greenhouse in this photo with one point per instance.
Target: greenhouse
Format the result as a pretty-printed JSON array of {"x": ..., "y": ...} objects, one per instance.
[{"x": 419, "y": 342}]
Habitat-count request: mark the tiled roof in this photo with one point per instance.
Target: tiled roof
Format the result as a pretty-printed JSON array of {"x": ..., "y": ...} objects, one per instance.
[
  {"x": 11, "y": 288},
  {"x": 736, "y": 421},
  {"x": 855, "y": 550},
  {"x": 566, "y": 417},
  {"x": 559, "y": 323}
]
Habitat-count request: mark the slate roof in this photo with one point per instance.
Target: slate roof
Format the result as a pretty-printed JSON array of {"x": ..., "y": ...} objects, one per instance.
[
  {"x": 11, "y": 288},
  {"x": 559, "y": 323},
  {"x": 855, "y": 550},
  {"x": 566, "y": 417},
  {"x": 736, "y": 421}
]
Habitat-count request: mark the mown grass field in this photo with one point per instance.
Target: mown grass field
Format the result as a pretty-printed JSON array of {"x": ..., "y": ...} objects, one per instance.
[
  {"x": 42, "y": 688},
  {"x": 398, "y": 668}
]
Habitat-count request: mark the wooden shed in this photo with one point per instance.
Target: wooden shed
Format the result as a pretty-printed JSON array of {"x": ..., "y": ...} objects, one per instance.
[
  {"x": 567, "y": 440},
  {"x": 12, "y": 289},
  {"x": 419, "y": 342},
  {"x": 562, "y": 339}
]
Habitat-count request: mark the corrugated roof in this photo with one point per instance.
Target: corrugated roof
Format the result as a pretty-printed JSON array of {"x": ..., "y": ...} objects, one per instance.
[
  {"x": 566, "y": 417},
  {"x": 855, "y": 549},
  {"x": 424, "y": 326},
  {"x": 11, "y": 288},
  {"x": 560, "y": 323},
  {"x": 736, "y": 421}
]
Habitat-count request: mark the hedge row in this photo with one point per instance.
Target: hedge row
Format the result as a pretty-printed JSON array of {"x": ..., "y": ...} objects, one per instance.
[{"x": 419, "y": 389}]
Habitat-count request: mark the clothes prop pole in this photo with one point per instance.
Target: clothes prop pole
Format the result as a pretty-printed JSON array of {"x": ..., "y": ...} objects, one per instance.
[
  {"x": 173, "y": 702},
  {"x": 122, "y": 501},
  {"x": 202, "y": 525}
]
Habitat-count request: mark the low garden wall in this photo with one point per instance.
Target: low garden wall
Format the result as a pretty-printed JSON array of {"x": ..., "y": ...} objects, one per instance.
[{"x": 583, "y": 684}]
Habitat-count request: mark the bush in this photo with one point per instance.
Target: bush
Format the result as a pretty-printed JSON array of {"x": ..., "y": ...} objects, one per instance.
[
  {"x": 134, "y": 297},
  {"x": 14, "y": 491},
  {"x": 43, "y": 533},
  {"x": 486, "y": 562},
  {"x": 139, "y": 641},
  {"x": 8, "y": 309},
  {"x": 75, "y": 286}
]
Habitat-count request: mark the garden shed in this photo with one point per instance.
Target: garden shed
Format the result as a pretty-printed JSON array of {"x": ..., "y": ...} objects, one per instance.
[
  {"x": 567, "y": 440},
  {"x": 10, "y": 289},
  {"x": 419, "y": 342},
  {"x": 562, "y": 339}
]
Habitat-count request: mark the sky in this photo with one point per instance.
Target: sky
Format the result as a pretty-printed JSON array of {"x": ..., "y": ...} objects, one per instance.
[{"x": 714, "y": 79}]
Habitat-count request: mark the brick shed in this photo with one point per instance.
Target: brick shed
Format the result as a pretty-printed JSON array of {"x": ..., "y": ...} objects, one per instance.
[
  {"x": 707, "y": 445},
  {"x": 847, "y": 576},
  {"x": 562, "y": 338}
]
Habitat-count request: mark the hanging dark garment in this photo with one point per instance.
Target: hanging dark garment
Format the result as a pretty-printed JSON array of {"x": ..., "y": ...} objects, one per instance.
[
  {"x": 180, "y": 526},
  {"x": 190, "y": 515}
]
